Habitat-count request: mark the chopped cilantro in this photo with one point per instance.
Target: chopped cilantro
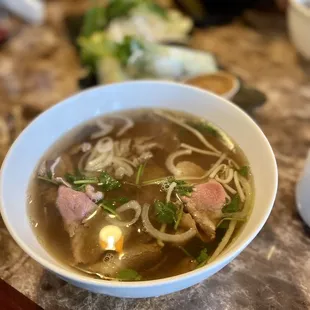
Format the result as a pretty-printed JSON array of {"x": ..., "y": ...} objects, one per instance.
[
  {"x": 182, "y": 188},
  {"x": 166, "y": 213},
  {"x": 244, "y": 171},
  {"x": 202, "y": 258},
  {"x": 233, "y": 206},
  {"x": 204, "y": 128},
  {"x": 128, "y": 275},
  {"x": 107, "y": 182}
]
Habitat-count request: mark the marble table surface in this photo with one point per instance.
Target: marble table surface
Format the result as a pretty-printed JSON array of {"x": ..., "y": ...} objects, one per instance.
[{"x": 274, "y": 270}]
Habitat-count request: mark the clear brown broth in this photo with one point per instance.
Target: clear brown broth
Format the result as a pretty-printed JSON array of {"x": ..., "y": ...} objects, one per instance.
[{"x": 48, "y": 224}]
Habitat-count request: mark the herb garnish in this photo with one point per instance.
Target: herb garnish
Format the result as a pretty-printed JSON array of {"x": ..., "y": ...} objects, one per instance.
[
  {"x": 128, "y": 275},
  {"x": 182, "y": 188},
  {"x": 110, "y": 205},
  {"x": 204, "y": 128},
  {"x": 166, "y": 213},
  {"x": 202, "y": 258},
  {"x": 140, "y": 173},
  {"x": 104, "y": 180},
  {"x": 244, "y": 171},
  {"x": 233, "y": 206}
]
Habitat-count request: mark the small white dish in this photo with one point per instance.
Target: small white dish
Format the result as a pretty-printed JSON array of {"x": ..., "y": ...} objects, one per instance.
[
  {"x": 299, "y": 25},
  {"x": 24, "y": 155},
  {"x": 303, "y": 193}
]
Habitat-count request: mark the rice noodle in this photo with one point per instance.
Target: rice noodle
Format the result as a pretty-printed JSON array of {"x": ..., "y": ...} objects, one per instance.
[
  {"x": 131, "y": 205},
  {"x": 105, "y": 130},
  {"x": 217, "y": 170},
  {"x": 189, "y": 128},
  {"x": 218, "y": 162},
  {"x": 228, "y": 179},
  {"x": 170, "y": 190},
  {"x": 200, "y": 151},
  {"x": 82, "y": 160},
  {"x": 170, "y": 161},
  {"x": 177, "y": 238},
  {"x": 238, "y": 187},
  {"x": 62, "y": 181},
  {"x": 248, "y": 200},
  {"x": 224, "y": 241},
  {"x": 229, "y": 189},
  {"x": 128, "y": 124},
  {"x": 232, "y": 163},
  {"x": 54, "y": 165},
  {"x": 227, "y": 198}
]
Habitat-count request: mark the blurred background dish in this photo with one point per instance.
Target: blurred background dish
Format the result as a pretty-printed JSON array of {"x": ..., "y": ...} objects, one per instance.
[{"x": 221, "y": 83}]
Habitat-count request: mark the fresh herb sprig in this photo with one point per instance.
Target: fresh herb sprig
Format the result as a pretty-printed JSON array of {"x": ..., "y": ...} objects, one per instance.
[
  {"x": 244, "y": 171},
  {"x": 202, "y": 258},
  {"x": 104, "y": 181},
  {"x": 233, "y": 206},
  {"x": 166, "y": 213},
  {"x": 182, "y": 188},
  {"x": 128, "y": 275},
  {"x": 204, "y": 128}
]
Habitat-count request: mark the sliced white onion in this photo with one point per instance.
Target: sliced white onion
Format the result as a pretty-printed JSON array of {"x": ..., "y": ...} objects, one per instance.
[
  {"x": 128, "y": 124},
  {"x": 105, "y": 130},
  {"x": 170, "y": 161},
  {"x": 118, "y": 162},
  {"x": 54, "y": 165},
  {"x": 170, "y": 190},
  {"x": 177, "y": 238},
  {"x": 104, "y": 145},
  {"x": 90, "y": 192},
  {"x": 131, "y": 205},
  {"x": 189, "y": 128},
  {"x": 62, "y": 181}
]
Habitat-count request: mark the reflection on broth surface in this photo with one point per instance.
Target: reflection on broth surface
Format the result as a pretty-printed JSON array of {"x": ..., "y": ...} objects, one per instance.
[{"x": 140, "y": 195}]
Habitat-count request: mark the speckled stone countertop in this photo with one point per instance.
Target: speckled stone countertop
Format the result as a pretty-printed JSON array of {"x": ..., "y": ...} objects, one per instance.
[{"x": 274, "y": 271}]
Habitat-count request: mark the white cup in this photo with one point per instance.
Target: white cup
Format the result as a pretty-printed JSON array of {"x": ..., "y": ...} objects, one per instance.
[{"x": 299, "y": 25}]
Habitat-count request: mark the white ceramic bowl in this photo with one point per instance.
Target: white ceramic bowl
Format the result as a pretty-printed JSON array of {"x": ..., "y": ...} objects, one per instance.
[
  {"x": 299, "y": 25},
  {"x": 37, "y": 138}
]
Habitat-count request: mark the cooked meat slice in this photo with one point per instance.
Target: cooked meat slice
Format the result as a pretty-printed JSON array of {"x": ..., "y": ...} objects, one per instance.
[
  {"x": 205, "y": 206},
  {"x": 187, "y": 222},
  {"x": 85, "y": 245},
  {"x": 74, "y": 207},
  {"x": 138, "y": 257},
  {"x": 187, "y": 168}
]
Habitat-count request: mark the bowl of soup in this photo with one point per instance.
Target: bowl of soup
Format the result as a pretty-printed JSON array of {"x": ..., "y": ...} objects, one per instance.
[{"x": 138, "y": 189}]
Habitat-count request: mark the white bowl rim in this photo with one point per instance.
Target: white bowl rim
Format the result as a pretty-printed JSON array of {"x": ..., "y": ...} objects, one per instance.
[{"x": 222, "y": 260}]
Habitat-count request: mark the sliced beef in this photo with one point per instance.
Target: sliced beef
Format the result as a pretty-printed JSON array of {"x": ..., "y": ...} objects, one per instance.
[
  {"x": 74, "y": 207},
  {"x": 205, "y": 207},
  {"x": 85, "y": 245},
  {"x": 188, "y": 168},
  {"x": 138, "y": 257}
]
